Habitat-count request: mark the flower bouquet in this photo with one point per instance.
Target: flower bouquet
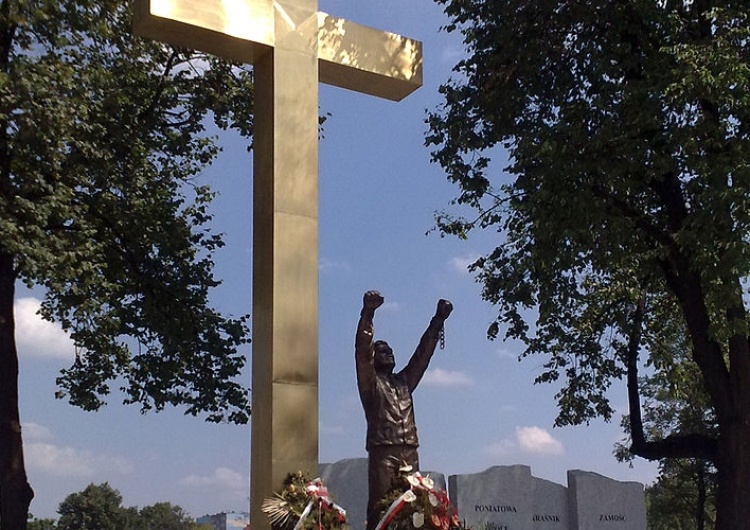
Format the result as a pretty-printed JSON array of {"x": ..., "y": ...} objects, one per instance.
[
  {"x": 304, "y": 504},
  {"x": 414, "y": 503}
]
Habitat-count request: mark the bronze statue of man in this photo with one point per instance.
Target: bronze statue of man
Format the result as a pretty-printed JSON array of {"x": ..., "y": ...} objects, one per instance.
[{"x": 386, "y": 398}]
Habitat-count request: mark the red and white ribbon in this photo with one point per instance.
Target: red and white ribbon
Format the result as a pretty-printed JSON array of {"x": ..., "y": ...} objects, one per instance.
[
  {"x": 394, "y": 508},
  {"x": 320, "y": 496}
]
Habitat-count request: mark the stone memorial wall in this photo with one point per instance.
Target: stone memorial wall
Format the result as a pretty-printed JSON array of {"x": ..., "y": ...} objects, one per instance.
[{"x": 510, "y": 498}]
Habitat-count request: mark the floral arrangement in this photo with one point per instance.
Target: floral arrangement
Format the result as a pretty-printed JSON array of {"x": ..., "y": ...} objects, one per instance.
[
  {"x": 414, "y": 503},
  {"x": 304, "y": 504}
]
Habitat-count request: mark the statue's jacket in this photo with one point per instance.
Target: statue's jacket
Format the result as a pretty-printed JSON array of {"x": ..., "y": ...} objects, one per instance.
[{"x": 387, "y": 398}]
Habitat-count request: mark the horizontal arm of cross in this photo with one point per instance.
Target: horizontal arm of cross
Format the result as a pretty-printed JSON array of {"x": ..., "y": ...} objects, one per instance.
[
  {"x": 350, "y": 55},
  {"x": 367, "y": 60}
]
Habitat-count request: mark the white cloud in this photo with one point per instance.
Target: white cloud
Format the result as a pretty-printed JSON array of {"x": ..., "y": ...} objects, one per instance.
[
  {"x": 223, "y": 479},
  {"x": 332, "y": 430},
  {"x": 529, "y": 440},
  {"x": 327, "y": 265},
  {"x": 440, "y": 377},
  {"x": 70, "y": 462},
  {"x": 506, "y": 353},
  {"x": 391, "y": 307},
  {"x": 501, "y": 449},
  {"x": 38, "y": 337},
  {"x": 452, "y": 54},
  {"x": 42, "y": 455},
  {"x": 33, "y": 432},
  {"x": 460, "y": 264},
  {"x": 536, "y": 440}
]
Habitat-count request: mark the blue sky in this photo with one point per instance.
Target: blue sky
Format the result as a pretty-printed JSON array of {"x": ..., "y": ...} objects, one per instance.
[{"x": 477, "y": 405}]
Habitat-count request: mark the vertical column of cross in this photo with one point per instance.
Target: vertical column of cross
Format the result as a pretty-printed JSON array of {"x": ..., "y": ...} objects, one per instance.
[{"x": 285, "y": 262}]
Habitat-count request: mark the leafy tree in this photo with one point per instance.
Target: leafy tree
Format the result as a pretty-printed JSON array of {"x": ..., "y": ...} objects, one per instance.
[
  {"x": 164, "y": 516},
  {"x": 101, "y": 136},
  {"x": 100, "y": 507},
  {"x": 682, "y": 497},
  {"x": 625, "y": 199},
  {"x": 94, "y": 508},
  {"x": 131, "y": 517},
  {"x": 41, "y": 524}
]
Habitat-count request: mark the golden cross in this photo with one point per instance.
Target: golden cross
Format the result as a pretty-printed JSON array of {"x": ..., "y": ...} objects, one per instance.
[{"x": 293, "y": 47}]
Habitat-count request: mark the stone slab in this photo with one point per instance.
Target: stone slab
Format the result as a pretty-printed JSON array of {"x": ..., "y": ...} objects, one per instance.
[
  {"x": 346, "y": 480},
  {"x": 601, "y": 503},
  {"x": 499, "y": 498},
  {"x": 551, "y": 509}
]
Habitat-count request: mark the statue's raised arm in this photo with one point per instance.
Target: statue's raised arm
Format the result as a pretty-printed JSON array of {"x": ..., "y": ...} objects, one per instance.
[
  {"x": 364, "y": 350},
  {"x": 420, "y": 359}
]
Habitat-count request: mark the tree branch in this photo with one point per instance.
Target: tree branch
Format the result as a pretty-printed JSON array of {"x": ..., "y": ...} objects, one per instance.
[
  {"x": 673, "y": 446},
  {"x": 685, "y": 282},
  {"x": 150, "y": 108}
]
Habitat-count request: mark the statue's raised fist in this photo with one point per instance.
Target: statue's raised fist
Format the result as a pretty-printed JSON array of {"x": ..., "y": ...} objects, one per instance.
[
  {"x": 444, "y": 308},
  {"x": 373, "y": 300}
]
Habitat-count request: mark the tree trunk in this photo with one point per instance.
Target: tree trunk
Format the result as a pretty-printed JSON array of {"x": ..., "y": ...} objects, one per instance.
[
  {"x": 15, "y": 491},
  {"x": 733, "y": 466}
]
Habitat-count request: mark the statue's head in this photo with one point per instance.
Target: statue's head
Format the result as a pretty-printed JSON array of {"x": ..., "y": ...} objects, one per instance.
[{"x": 384, "y": 359}]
